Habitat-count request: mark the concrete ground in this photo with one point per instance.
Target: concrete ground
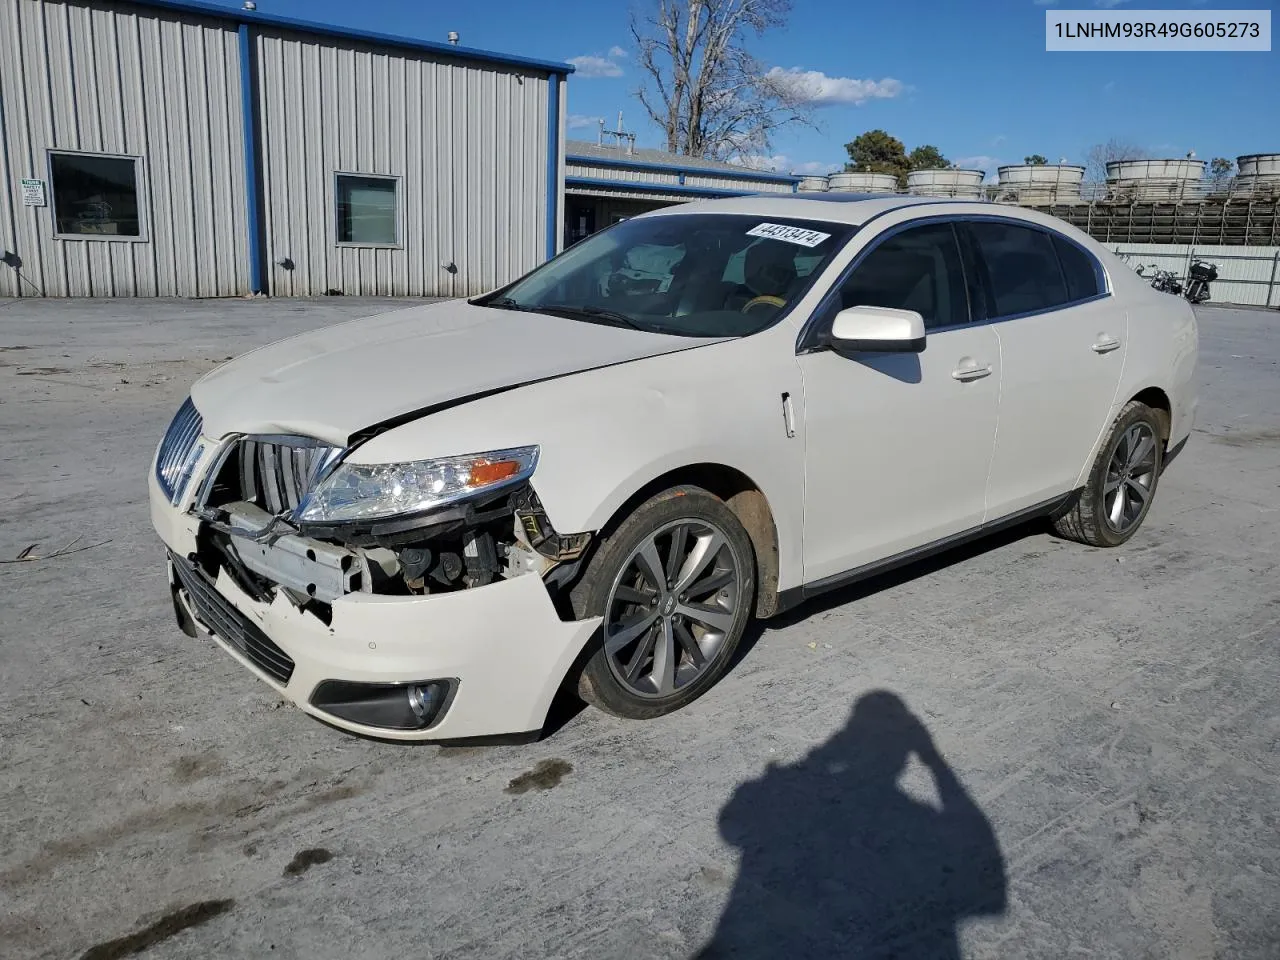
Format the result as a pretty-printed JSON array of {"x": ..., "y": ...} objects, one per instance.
[{"x": 1094, "y": 736}]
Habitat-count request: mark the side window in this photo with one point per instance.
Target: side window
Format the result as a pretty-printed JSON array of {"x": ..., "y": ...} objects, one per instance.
[
  {"x": 95, "y": 195},
  {"x": 1022, "y": 267},
  {"x": 1078, "y": 267},
  {"x": 918, "y": 269},
  {"x": 367, "y": 210}
]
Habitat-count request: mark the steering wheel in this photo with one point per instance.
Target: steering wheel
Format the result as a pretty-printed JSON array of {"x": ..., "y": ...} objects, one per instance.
[{"x": 762, "y": 301}]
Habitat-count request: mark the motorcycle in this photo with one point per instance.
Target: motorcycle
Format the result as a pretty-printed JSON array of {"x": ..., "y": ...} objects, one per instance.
[
  {"x": 1162, "y": 280},
  {"x": 1199, "y": 276}
]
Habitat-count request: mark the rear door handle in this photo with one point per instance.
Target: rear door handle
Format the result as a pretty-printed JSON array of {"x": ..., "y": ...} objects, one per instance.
[
  {"x": 965, "y": 374},
  {"x": 1106, "y": 345}
]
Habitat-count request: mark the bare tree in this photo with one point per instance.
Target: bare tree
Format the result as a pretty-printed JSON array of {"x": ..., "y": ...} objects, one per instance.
[
  {"x": 1099, "y": 155},
  {"x": 709, "y": 95}
]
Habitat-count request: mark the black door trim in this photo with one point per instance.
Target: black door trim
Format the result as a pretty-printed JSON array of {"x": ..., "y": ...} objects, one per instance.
[{"x": 796, "y": 595}]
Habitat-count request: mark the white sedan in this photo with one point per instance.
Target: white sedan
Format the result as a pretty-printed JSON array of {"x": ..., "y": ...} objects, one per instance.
[{"x": 423, "y": 525}]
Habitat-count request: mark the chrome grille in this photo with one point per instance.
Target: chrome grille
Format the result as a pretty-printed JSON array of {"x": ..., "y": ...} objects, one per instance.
[
  {"x": 178, "y": 451},
  {"x": 277, "y": 472}
]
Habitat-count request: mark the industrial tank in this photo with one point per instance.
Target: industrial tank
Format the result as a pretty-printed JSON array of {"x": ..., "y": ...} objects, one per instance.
[
  {"x": 1039, "y": 184},
  {"x": 812, "y": 184},
  {"x": 946, "y": 183},
  {"x": 1258, "y": 176},
  {"x": 860, "y": 182},
  {"x": 1154, "y": 180}
]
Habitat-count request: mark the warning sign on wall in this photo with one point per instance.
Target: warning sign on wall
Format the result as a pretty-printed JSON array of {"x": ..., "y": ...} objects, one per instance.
[{"x": 33, "y": 193}]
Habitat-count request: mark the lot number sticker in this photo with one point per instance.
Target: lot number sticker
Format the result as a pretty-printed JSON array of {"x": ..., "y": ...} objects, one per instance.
[{"x": 797, "y": 235}]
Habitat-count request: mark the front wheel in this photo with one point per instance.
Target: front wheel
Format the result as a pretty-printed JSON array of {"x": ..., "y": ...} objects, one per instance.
[
  {"x": 675, "y": 586},
  {"x": 1122, "y": 482}
]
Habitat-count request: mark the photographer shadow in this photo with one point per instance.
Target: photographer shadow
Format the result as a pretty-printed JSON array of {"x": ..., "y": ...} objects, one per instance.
[{"x": 839, "y": 861}]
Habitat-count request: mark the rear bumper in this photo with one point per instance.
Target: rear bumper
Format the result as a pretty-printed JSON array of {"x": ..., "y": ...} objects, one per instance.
[{"x": 503, "y": 645}]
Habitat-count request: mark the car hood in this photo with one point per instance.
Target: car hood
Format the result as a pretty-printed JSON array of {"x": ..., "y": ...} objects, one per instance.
[{"x": 335, "y": 382}]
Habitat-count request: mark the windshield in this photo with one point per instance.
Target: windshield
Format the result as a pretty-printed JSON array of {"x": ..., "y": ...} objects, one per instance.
[{"x": 693, "y": 275}]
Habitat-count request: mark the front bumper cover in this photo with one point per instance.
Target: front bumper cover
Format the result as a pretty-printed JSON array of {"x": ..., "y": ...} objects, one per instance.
[{"x": 503, "y": 644}]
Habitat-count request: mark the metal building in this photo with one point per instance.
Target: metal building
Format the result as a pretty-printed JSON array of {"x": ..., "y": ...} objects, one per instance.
[
  {"x": 604, "y": 184},
  {"x": 172, "y": 148}
]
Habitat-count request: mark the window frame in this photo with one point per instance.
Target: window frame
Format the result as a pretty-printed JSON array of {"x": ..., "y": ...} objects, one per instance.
[
  {"x": 397, "y": 180},
  {"x": 812, "y": 339},
  {"x": 139, "y": 188}
]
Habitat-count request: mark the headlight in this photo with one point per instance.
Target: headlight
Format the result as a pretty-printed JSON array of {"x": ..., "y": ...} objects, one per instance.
[{"x": 372, "y": 491}]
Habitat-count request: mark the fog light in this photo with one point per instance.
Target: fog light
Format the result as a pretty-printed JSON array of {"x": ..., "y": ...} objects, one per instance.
[
  {"x": 424, "y": 699},
  {"x": 391, "y": 706}
]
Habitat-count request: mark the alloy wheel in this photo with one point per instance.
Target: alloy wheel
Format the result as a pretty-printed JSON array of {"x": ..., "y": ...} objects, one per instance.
[
  {"x": 671, "y": 607},
  {"x": 1131, "y": 476}
]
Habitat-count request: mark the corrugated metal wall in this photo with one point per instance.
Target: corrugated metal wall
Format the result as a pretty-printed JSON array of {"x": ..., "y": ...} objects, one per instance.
[
  {"x": 1248, "y": 276},
  {"x": 710, "y": 179},
  {"x": 134, "y": 81},
  {"x": 468, "y": 142}
]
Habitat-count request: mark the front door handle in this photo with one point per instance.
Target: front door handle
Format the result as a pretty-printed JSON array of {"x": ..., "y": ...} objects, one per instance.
[
  {"x": 967, "y": 373},
  {"x": 1106, "y": 344}
]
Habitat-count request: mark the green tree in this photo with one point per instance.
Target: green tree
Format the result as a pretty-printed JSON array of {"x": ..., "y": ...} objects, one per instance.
[
  {"x": 1036, "y": 160},
  {"x": 1220, "y": 168},
  {"x": 927, "y": 157},
  {"x": 877, "y": 152}
]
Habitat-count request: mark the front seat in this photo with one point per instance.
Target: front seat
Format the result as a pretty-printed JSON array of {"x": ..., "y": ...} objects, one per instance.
[{"x": 768, "y": 270}]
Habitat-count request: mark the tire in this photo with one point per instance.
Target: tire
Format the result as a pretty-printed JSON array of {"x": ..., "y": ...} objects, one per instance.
[
  {"x": 1116, "y": 473},
  {"x": 704, "y": 620}
]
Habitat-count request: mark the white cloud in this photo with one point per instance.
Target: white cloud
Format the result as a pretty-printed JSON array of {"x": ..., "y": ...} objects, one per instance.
[
  {"x": 759, "y": 161},
  {"x": 979, "y": 161},
  {"x": 617, "y": 53},
  {"x": 577, "y": 120},
  {"x": 816, "y": 167},
  {"x": 591, "y": 66},
  {"x": 781, "y": 163},
  {"x": 820, "y": 90}
]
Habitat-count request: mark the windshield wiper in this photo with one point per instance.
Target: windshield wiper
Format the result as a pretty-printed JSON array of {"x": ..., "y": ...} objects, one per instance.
[
  {"x": 506, "y": 303},
  {"x": 593, "y": 314}
]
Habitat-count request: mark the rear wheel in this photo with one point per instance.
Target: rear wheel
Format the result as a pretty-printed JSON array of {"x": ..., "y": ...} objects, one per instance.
[
  {"x": 675, "y": 586},
  {"x": 1122, "y": 483}
]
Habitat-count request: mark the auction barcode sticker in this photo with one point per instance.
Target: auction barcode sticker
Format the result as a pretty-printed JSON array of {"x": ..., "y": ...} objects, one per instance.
[{"x": 780, "y": 231}]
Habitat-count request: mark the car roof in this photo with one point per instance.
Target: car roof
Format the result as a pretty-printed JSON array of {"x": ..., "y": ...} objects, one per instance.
[{"x": 846, "y": 208}]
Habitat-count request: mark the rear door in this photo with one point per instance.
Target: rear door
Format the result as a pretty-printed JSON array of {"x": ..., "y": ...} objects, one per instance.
[{"x": 1062, "y": 347}]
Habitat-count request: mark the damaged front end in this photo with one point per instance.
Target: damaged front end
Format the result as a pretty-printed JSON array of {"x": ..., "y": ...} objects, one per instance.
[{"x": 279, "y": 515}]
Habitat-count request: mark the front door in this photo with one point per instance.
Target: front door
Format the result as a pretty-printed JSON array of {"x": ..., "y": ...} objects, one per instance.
[{"x": 898, "y": 445}]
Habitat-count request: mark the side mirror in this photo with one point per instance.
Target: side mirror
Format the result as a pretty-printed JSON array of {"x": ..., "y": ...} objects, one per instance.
[{"x": 877, "y": 330}]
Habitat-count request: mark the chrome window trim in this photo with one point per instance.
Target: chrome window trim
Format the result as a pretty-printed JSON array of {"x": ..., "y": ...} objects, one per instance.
[{"x": 809, "y": 339}]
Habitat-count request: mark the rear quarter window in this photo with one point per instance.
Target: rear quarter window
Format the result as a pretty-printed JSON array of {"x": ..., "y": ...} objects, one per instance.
[{"x": 1079, "y": 269}]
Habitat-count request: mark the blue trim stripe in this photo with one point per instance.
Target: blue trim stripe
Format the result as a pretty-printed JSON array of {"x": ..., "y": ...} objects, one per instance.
[
  {"x": 618, "y": 163},
  {"x": 242, "y": 17},
  {"x": 553, "y": 162},
  {"x": 665, "y": 188},
  {"x": 252, "y": 172}
]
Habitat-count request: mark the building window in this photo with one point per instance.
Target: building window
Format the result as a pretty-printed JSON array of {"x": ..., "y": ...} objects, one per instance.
[
  {"x": 367, "y": 210},
  {"x": 95, "y": 195}
]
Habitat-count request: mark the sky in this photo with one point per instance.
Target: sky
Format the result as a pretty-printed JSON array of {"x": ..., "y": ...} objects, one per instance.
[{"x": 971, "y": 77}]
